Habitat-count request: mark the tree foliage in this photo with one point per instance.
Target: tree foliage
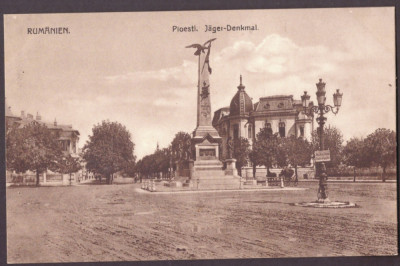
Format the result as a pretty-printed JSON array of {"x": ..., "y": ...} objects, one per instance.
[
  {"x": 241, "y": 151},
  {"x": 109, "y": 149},
  {"x": 181, "y": 147},
  {"x": 130, "y": 169},
  {"x": 265, "y": 148},
  {"x": 69, "y": 165},
  {"x": 382, "y": 147},
  {"x": 355, "y": 153},
  {"x": 333, "y": 141},
  {"x": 293, "y": 151},
  {"x": 33, "y": 147},
  {"x": 154, "y": 164},
  {"x": 162, "y": 160}
]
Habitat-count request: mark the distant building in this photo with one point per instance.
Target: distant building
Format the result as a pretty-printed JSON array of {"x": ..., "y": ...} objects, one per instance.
[
  {"x": 281, "y": 114},
  {"x": 68, "y": 136}
]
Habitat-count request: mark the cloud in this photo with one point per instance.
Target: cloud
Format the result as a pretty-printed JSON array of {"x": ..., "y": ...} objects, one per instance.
[
  {"x": 275, "y": 65},
  {"x": 180, "y": 75},
  {"x": 238, "y": 50}
]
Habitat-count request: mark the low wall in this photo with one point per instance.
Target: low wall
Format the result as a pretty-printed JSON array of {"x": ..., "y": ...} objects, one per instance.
[{"x": 45, "y": 179}]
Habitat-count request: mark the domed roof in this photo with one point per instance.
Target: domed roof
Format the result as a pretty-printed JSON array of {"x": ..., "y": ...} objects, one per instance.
[{"x": 241, "y": 103}]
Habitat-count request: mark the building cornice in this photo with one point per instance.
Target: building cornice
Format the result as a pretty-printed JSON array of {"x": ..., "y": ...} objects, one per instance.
[{"x": 287, "y": 112}]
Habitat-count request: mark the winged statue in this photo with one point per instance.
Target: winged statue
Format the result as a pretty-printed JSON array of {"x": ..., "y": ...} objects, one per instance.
[{"x": 201, "y": 49}]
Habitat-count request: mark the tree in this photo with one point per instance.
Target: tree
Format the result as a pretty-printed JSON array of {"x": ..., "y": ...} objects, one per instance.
[
  {"x": 265, "y": 148},
  {"x": 162, "y": 160},
  {"x": 355, "y": 153},
  {"x": 181, "y": 146},
  {"x": 69, "y": 165},
  {"x": 381, "y": 147},
  {"x": 138, "y": 169},
  {"x": 294, "y": 151},
  {"x": 109, "y": 149},
  {"x": 130, "y": 169},
  {"x": 241, "y": 150},
  {"x": 333, "y": 140},
  {"x": 33, "y": 148}
]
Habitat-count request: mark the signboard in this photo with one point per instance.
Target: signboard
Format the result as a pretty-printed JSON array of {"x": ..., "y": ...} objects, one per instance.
[{"x": 322, "y": 156}]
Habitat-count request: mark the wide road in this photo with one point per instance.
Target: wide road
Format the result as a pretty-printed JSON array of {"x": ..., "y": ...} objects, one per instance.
[{"x": 119, "y": 223}]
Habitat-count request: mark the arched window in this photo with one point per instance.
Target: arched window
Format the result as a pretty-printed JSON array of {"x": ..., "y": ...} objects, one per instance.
[{"x": 282, "y": 129}]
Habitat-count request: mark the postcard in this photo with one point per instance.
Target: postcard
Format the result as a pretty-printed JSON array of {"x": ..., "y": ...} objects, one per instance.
[{"x": 191, "y": 135}]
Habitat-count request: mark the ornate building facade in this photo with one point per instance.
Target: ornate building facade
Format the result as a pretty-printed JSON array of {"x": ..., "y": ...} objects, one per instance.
[{"x": 281, "y": 114}]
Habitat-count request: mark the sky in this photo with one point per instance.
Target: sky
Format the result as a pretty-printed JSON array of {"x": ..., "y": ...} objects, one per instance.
[{"x": 132, "y": 68}]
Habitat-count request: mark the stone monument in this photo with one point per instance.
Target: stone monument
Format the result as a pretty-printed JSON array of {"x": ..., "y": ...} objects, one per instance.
[{"x": 206, "y": 170}]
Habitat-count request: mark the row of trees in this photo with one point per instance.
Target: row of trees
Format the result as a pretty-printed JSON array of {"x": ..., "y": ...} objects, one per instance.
[
  {"x": 270, "y": 149},
  {"x": 162, "y": 160},
  {"x": 377, "y": 149},
  {"x": 110, "y": 150},
  {"x": 36, "y": 148}
]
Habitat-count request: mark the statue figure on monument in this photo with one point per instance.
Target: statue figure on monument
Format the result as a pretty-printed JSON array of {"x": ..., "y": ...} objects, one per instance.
[{"x": 200, "y": 49}]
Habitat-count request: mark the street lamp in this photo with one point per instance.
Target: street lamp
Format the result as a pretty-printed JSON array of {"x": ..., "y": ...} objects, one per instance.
[{"x": 320, "y": 110}]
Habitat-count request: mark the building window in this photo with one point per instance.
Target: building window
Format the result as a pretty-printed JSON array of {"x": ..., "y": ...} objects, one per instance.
[
  {"x": 282, "y": 129},
  {"x": 302, "y": 131},
  {"x": 235, "y": 131},
  {"x": 280, "y": 105},
  {"x": 65, "y": 145},
  {"x": 268, "y": 127},
  {"x": 249, "y": 132},
  {"x": 267, "y": 106}
]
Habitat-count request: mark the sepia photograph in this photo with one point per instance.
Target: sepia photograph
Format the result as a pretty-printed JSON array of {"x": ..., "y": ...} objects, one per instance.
[{"x": 200, "y": 135}]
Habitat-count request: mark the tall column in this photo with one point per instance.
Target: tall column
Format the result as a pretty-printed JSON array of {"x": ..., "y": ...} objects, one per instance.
[
  {"x": 203, "y": 96},
  {"x": 204, "y": 125}
]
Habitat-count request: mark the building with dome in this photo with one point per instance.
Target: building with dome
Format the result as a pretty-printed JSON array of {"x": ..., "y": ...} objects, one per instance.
[{"x": 281, "y": 113}]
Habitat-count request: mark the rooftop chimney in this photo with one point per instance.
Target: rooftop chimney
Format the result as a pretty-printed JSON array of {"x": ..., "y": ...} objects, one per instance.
[
  {"x": 55, "y": 122},
  {"x": 38, "y": 116},
  {"x": 22, "y": 114}
]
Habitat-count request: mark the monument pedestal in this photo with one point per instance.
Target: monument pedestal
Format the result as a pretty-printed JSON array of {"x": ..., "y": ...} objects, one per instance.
[
  {"x": 231, "y": 167},
  {"x": 206, "y": 172}
]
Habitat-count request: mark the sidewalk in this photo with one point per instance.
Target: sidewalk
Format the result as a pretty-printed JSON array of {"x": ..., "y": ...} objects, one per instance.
[{"x": 182, "y": 190}]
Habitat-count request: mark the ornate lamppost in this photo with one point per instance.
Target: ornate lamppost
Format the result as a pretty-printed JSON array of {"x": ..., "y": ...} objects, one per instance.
[{"x": 320, "y": 110}]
